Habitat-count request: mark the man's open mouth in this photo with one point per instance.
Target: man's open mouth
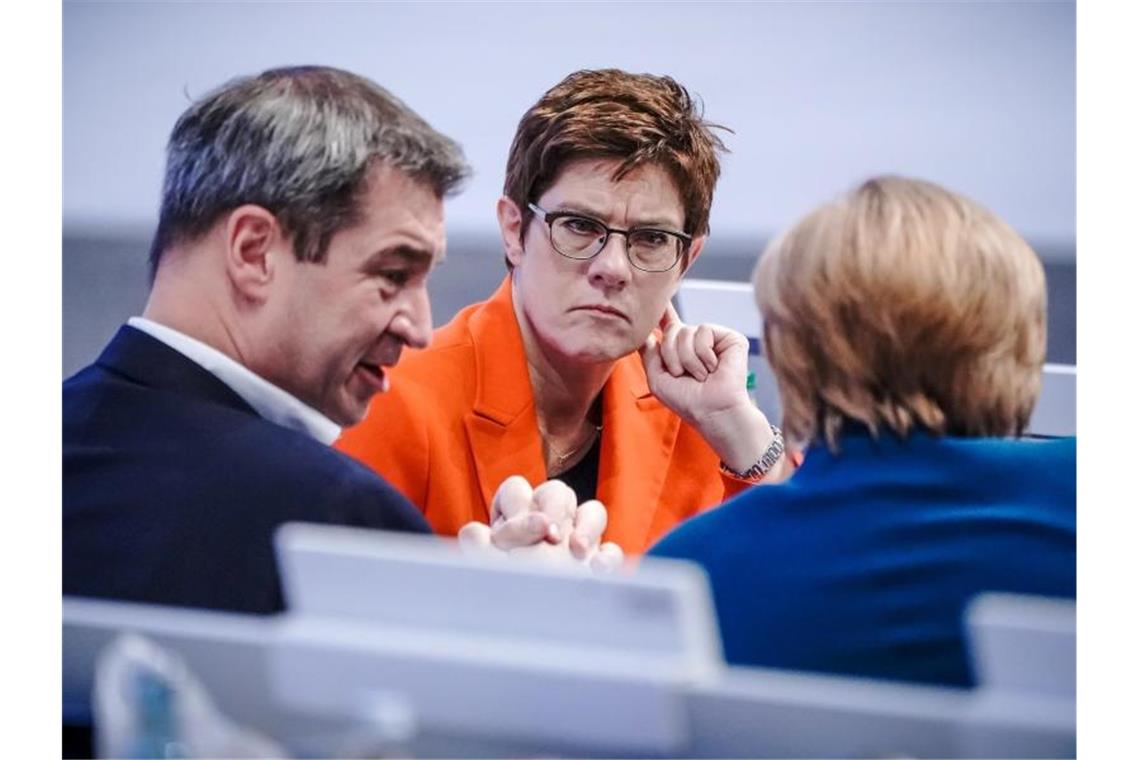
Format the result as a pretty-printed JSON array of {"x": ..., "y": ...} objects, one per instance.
[{"x": 374, "y": 374}]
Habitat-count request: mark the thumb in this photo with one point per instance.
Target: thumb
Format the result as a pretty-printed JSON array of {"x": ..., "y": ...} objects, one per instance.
[
  {"x": 650, "y": 352},
  {"x": 669, "y": 318}
]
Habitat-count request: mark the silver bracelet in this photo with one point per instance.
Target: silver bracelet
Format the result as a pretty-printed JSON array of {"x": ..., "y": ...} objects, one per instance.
[{"x": 767, "y": 461}]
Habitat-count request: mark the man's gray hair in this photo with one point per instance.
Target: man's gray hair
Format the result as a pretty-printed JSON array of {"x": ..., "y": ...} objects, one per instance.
[{"x": 299, "y": 142}]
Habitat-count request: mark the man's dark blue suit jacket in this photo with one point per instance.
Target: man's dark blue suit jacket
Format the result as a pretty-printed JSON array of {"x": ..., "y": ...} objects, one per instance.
[
  {"x": 863, "y": 563},
  {"x": 173, "y": 486}
]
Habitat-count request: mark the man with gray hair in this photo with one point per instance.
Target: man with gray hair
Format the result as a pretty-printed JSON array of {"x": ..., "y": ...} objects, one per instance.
[{"x": 302, "y": 212}]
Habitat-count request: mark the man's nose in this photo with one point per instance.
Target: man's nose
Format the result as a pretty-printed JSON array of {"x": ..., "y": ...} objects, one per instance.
[{"x": 413, "y": 322}]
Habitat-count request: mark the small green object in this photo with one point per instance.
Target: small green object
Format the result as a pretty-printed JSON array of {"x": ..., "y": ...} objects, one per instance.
[{"x": 751, "y": 383}]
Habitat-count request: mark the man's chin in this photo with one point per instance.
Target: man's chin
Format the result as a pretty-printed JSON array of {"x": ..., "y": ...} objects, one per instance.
[
  {"x": 346, "y": 411},
  {"x": 351, "y": 413},
  {"x": 356, "y": 398}
]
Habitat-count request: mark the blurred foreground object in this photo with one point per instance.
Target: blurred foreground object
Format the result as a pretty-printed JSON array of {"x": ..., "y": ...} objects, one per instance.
[
  {"x": 392, "y": 638},
  {"x": 149, "y": 704}
]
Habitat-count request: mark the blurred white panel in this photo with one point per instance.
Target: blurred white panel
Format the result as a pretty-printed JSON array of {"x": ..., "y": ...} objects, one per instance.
[
  {"x": 1056, "y": 410},
  {"x": 663, "y": 613}
]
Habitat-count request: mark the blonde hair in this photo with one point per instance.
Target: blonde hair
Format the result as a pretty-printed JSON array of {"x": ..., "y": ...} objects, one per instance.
[{"x": 903, "y": 305}]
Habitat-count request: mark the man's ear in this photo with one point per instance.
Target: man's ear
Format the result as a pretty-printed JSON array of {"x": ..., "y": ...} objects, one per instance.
[
  {"x": 510, "y": 226},
  {"x": 695, "y": 249},
  {"x": 254, "y": 241}
]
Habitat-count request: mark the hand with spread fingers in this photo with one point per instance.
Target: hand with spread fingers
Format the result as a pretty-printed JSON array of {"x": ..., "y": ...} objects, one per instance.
[
  {"x": 700, "y": 372},
  {"x": 544, "y": 523}
]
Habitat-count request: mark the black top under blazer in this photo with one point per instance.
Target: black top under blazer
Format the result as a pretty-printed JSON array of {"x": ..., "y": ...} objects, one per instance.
[{"x": 173, "y": 486}]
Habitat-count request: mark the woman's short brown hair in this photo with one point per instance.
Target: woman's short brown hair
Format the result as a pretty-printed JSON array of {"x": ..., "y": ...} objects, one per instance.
[
  {"x": 636, "y": 118},
  {"x": 903, "y": 305}
]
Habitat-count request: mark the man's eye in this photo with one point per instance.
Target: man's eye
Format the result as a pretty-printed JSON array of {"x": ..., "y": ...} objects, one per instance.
[{"x": 398, "y": 277}]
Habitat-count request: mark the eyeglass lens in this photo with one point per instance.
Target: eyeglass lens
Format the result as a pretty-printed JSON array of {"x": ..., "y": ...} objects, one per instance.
[{"x": 582, "y": 238}]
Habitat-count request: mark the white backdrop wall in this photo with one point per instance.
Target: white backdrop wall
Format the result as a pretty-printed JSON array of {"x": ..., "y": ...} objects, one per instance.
[{"x": 978, "y": 96}]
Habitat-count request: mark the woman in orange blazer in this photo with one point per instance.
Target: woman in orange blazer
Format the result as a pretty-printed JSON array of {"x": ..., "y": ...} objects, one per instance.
[{"x": 609, "y": 185}]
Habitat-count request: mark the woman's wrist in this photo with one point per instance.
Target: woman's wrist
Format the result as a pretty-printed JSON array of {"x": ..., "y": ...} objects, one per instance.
[
  {"x": 764, "y": 466},
  {"x": 740, "y": 436}
]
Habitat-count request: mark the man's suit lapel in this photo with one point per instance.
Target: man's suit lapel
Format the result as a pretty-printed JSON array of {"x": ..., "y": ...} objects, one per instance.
[
  {"x": 501, "y": 428},
  {"x": 150, "y": 362},
  {"x": 638, "y": 439}
]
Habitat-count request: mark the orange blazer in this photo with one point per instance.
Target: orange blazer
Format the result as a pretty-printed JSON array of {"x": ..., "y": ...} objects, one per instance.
[{"x": 459, "y": 419}]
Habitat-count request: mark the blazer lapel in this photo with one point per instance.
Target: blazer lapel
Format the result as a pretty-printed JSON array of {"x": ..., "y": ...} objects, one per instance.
[
  {"x": 638, "y": 439},
  {"x": 502, "y": 429},
  {"x": 150, "y": 362},
  {"x": 638, "y": 433}
]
